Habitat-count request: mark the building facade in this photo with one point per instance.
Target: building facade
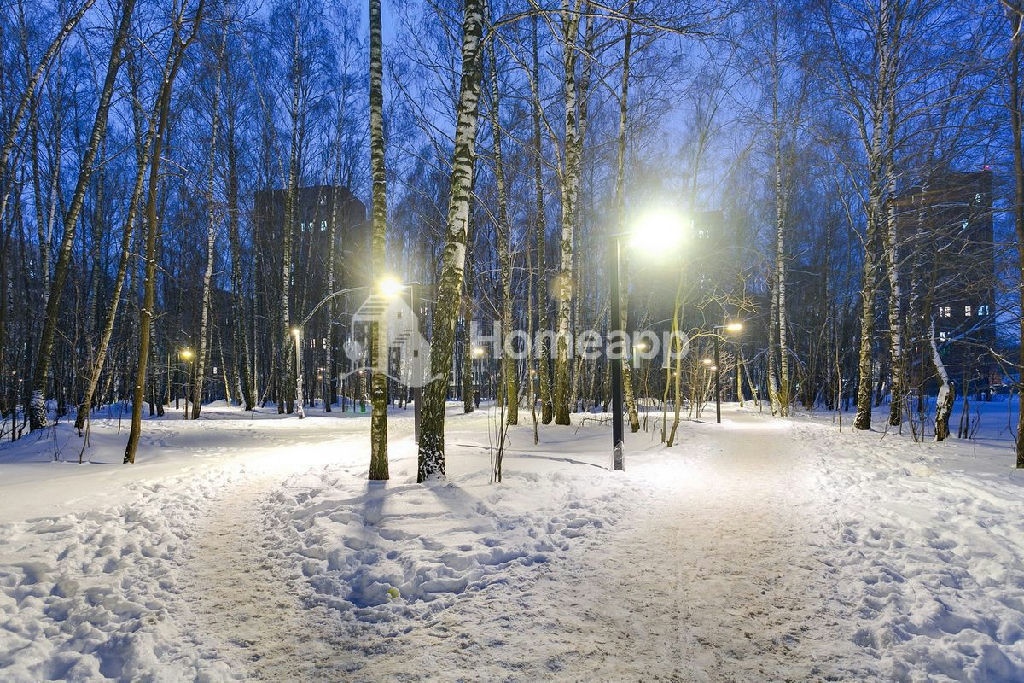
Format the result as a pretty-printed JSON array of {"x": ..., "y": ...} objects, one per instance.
[{"x": 947, "y": 262}]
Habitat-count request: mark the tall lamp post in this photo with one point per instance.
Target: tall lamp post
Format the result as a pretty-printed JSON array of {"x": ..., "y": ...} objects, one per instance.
[
  {"x": 187, "y": 355},
  {"x": 659, "y": 229},
  {"x": 728, "y": 327},
  {"x": 297, "y": 333}
]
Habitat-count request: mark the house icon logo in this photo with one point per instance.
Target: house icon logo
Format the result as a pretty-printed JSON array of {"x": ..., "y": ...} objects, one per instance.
[{"x": 403, "y": 335}]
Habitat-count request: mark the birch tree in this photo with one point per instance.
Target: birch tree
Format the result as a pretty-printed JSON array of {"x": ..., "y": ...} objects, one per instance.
[
  {"x": 431, "y": 463},
  {"x": 37, "y": 409},
  {"x": 211, "y": 235},
  {"x": 379, "y": 388},
  {"x": 509, "y": 376},
  {"x": 1014, "y": 12},
  {"x": 179, "y": 43},
  {"x": 570, "y": 184}
]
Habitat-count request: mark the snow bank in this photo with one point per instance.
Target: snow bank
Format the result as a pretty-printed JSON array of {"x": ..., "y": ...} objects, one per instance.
[
  {"x": 930, "y": 552},
  {"x": 384, "y": 551}
]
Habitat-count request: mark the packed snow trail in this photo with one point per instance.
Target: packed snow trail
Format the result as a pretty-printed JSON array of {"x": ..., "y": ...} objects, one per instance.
[
  {"x": 240, "y": 603},
  {"x": 715, "y": 572}
]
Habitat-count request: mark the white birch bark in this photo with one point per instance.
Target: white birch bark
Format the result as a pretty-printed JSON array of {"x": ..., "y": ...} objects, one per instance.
[{"x": 431, "y": 463}]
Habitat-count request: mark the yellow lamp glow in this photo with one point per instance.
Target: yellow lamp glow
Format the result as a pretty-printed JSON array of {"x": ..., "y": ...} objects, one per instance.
[
  {"x": 187, "y": 354},
  {"x": 658, "y": 230},
  {"x": 390, "y": 286},
  {"x": 734, "y": 327}
]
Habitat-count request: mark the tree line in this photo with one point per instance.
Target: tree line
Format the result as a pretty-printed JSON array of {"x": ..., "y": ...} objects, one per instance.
[{"x": 499, "y": 147}]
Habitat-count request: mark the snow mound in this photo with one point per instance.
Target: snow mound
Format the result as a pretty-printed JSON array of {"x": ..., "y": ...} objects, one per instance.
[
  {"x": 387, "y": 551},
  {"x": 931, "y": 562}
]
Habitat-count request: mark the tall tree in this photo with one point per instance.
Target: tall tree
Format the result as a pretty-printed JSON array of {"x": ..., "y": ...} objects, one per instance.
[
  {"x": 211, "y": 234},
  {"x": 431, "y": 463},
  {"x": 179, "y": 43},
  {"x": 509, "y": 375},
  {"x": 379, "y": 403},
  {"x": 541, "y": 288},
  {"x": 570, "y": 187},
  {"x": 1015, "y": 11}
]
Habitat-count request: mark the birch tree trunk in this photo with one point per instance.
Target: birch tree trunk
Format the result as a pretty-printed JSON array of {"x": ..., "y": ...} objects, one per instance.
[
  {"x": 1015, "y": 11},
  {"x": 211, "y": 234},
  {"x": 543, "y": 351},
  {"x": 175, "y": 55},
  {"x": 620, "y": 205},
  {"x": 37, "y": 408},
  {"x": 570, "y": 194},
  {"x": 286, "y": 372},
  {"x": 246, "y": 378},
  {"x": 876, "y": 154},
  {"x": 379, "y": 387},
  {"x": 947, "y": 395},
  {"x": 431, "y": 464},
  {"x": 782, "y": 394},
  {"x": 510, "y": 378}
]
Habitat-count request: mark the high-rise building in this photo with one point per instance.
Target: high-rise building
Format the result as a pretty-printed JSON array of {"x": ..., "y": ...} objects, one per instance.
[
  {"x": 947, "y": 262},
  {"x": 317, "y": 209}
]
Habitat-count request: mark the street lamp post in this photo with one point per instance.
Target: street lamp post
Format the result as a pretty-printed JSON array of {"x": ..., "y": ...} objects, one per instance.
[
  {"x": 728, "y": 327},
  {"x": 187, "y": 354},
  {"x": 661, "y": 228},
  {"x": 297, "y": 333},
  {"x": 618, "y": 429}
]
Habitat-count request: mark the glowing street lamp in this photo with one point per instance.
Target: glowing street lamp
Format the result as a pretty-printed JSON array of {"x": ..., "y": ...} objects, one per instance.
[
  {"x": 660, "y": 229},
  {"x": 390, "y": 287},
  {"x": 733, "y": 327},
  {"x": 187, "y": 355}
]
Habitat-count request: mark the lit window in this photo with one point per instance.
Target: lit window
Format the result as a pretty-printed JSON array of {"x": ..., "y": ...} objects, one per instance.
[
  {"x": 943, "y": 335},
  {"x": 964, "y": 225},
  {"x": 967, "y": 311},
  {"x": 945, "y": 311},
  {"x": 983, "y": 309},
  {"x": 323, "y": 226},
  {"x": 977, "y": 198}
]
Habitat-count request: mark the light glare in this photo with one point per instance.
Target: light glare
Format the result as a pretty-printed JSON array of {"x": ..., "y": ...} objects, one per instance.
[
  {"x": 658, "y": 230},
  {"x": 390, "y": 287}
]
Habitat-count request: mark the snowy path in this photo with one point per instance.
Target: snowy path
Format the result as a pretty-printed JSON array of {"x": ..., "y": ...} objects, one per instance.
[
  {"x": 238, "y": 597},
  {"x": 715, "y": 573}
]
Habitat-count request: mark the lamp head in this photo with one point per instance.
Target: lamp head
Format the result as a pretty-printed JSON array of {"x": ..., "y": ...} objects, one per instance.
[
  {"x": 390, "y": 286},
  {"x": 658, "y": 230},
  {"x": 734, "y": 327}
]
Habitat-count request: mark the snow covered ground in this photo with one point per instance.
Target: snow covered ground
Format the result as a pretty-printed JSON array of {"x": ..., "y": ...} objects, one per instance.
[{"x": 253, "y": 546}]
